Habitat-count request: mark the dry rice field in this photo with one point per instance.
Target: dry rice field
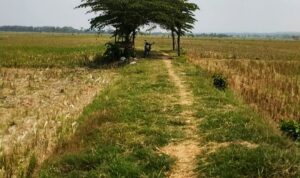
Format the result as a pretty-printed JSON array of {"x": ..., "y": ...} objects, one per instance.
[
  {"x": 265, "y": 73},
  {"x": 40, "y": 103}
]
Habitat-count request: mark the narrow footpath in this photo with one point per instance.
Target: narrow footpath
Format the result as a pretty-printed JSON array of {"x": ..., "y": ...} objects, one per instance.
[{"x": 185, "y": 151}]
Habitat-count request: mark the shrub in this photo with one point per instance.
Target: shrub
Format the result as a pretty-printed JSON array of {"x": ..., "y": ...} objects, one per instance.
[
  {"x": 112, "y": 52},
  {"x": 220, "y": 82},
  {"x": 291, "y": 128}
]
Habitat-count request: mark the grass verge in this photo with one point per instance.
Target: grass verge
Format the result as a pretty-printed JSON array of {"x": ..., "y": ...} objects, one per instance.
[
  {"x": 236, "y": 142},
  {"x": 121, "y": 130}
]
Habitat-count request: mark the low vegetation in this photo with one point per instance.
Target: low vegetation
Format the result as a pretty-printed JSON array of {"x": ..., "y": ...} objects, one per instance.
[
  {"x": 39, "y": 108},
  {"x": 49, "y": 50},
  {"x": 219, "y": 81},
  {"x": 291, "y": 128},
  {"x": 123, "y": 128},
  {"x": 265, "y": 73},
  {"x": 236, "y": 142}
]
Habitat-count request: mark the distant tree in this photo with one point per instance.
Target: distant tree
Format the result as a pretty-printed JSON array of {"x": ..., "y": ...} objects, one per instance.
[
  {"x": 183, "y": 19},
  {"x": 176, "y": 16}
]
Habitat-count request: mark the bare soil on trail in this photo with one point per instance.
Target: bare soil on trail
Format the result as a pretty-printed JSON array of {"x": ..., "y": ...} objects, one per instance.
[{"x": 185, "y": 151}]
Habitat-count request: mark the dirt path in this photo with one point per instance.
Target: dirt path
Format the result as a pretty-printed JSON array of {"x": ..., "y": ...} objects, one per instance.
[{"x": 186, "y": 150}]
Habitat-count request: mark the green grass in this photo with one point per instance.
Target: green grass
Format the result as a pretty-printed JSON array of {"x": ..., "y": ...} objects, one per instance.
[
  {"x": 226, "y": 119},
  {"x": 49, "y": 50},
  {"x": 121, "y": 130}
]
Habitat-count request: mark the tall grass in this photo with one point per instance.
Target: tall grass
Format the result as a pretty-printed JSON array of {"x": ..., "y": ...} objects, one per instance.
[{"x": 265, "y": 73}]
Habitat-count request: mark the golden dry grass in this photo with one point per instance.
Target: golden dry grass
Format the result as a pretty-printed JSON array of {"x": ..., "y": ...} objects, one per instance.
[
  {"x": 39, "y": 107},
  {"x": 267, "y": 76}
]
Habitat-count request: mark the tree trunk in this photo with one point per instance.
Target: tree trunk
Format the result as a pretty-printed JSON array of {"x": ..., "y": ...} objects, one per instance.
[
  {"x": 133, "y": 38},
  {"x": 173, "y": 40},
  {"x": 133, "y": 43},
  {"x": 127, "y": 45},
  {"x": 178, "y": 42}
]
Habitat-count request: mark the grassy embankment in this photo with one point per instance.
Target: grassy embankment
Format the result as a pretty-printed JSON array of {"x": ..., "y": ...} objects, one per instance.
[
  {"x": 123, "y": 127},
  {"x": 236, "y": 141}
]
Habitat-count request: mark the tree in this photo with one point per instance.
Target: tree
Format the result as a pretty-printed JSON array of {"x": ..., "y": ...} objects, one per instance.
[
  {"x": 176, "y": 16},
  {"x": 126, "y": 16},
  {"x": 184, "y": 19}
]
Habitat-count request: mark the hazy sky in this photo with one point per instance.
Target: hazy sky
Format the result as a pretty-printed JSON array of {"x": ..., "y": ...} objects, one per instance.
[{"x": 214, "y": 16}]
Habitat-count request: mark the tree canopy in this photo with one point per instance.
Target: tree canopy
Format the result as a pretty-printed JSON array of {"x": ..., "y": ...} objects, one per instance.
[{"x": 127, "y": 16}]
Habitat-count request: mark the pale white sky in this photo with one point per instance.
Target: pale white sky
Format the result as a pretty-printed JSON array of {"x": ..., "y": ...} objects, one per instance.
[{"x": 214, "y": 16}]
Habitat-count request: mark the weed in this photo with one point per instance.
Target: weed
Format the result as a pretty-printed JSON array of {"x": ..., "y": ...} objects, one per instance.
[
  {"x": 219, "y": 81},
  {"x": 291, "y": 128},
  {"x": 112, "y": 52}
]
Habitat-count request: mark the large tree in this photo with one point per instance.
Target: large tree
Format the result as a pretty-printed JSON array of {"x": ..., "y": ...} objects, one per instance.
[{"x": 126, "y": 16}]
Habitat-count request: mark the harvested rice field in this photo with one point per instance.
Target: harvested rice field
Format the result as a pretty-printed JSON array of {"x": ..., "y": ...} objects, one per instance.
[
  {"x": 42, "y": 98},
  {"x": 39, "y": 107}
]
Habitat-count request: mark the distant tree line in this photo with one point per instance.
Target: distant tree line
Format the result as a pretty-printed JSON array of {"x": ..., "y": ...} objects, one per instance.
[
  {"x": 212, "y": 35},
  {"x": 48, "y": 29}
]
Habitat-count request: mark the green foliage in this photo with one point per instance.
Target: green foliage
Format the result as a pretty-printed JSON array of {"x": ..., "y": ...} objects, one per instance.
[
  {"x": 112, "y": 52},
  {"x": 220, "y": 82},
  {"x": 127, "y": 16},
  {"x": 291, "y": 128}
]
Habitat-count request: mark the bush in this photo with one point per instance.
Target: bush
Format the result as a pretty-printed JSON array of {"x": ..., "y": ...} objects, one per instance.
[
  {"x": 291, "y": 128},
  {"x": 112, "y": 52},
  {"x": 220, "y": 82}
]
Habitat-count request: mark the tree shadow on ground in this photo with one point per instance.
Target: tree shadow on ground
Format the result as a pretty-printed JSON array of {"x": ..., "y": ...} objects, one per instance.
[{"x": 100, "y": 62}]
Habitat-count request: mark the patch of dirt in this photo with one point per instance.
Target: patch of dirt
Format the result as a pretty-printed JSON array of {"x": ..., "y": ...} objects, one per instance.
[
  {"x": 186, "y": 151},
  {"x": 38, "y": 107}
]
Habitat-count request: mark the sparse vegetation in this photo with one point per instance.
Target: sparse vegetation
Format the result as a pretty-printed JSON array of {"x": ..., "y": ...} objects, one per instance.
[{"x": 265, "y": 73}]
